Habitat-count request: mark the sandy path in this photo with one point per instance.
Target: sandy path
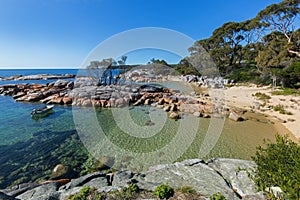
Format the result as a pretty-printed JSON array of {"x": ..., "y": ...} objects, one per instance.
[{"x": 241, "y": 96}]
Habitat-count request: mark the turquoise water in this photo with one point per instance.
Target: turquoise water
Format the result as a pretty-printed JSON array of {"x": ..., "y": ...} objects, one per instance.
[
  {"x": 17, "y": 125},
  {"x": 30, "y": 149}
]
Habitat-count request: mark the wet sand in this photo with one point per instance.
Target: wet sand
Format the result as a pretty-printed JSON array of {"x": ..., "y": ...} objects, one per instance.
[{"x": 242, "y": 97}]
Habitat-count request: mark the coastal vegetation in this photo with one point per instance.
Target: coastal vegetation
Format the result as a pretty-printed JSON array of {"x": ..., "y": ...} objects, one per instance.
[
  {"x": 278, "y": 165},
  {"x": 264, "y": 49},
  {"x": 262, "y": 96},
  {"x": 86, "y": 193},
  {"x": 187, "y": 190},
  {"x": 217, "y": 196},
  {"x": 287, "y": 91},
  {"x": 281, "y": 110},
  {"x": 164, "y": 191},
  {"x": 132, "y": 191}
]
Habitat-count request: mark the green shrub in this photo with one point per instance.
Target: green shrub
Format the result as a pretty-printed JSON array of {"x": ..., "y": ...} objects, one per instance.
[
  {"x": 133, "y": 188},
  {"x": 85, "y": 193},
  {"x": 287, "y": 91},
  {"x": 281, "y": 109},
  {"x": 164, "y": 191},
  {"x": 262, "y": 96},
  {"x": 187, "y": 190},
  {"x": 217, "y": 196},
  {"x": 278, "y": 164},
  {"x": 129, "y": 192},
  {"x": 244, "y": 74}
]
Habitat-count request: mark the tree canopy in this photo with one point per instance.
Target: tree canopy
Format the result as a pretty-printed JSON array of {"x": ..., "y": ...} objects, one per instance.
[{"x": 270, "y": 42}]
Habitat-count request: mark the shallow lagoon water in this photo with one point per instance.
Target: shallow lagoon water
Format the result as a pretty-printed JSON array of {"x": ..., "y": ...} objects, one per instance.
[
  {"x": 236, "y": 140},
  {"x": 30, "y": 149}
]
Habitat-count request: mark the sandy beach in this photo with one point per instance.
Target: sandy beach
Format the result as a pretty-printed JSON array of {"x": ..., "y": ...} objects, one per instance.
[{"x": 242, "y": 97}]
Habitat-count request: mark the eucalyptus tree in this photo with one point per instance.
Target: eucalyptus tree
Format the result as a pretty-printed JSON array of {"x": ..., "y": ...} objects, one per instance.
[
  {"x": 226, "y": 44},
  {"x": 274, "y": 59},
  {"x": 281, "y": 18}
]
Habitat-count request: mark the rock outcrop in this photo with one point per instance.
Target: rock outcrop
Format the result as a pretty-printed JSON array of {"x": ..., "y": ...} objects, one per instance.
[
  {"x": 227, "y": 176},
  {"x": 38, "y": 77},
  {"x": 87, "y": 93}
]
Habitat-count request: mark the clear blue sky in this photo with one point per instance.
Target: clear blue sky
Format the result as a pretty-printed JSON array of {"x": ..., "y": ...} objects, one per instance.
[{"x": 61, "y": 33}]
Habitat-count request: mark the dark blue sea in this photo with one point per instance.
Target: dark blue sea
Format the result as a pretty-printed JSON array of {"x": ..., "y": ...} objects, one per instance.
[{"x": 25, "y": 72}]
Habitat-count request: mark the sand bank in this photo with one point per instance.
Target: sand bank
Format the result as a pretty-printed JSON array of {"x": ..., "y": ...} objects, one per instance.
[{"x": 242, "y": 97}]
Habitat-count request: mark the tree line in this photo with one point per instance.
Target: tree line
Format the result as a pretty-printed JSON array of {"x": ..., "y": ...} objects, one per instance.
[{"x": 259, "y": 49}]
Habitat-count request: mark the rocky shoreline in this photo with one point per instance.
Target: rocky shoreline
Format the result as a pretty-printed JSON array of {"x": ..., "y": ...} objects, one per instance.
[
  {"x": 85, "y": 93},
  {"x": 37, "y": 77},
  {"x": 227, "y": 176}
]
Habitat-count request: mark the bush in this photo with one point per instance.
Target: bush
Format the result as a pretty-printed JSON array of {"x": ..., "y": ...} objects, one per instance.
[
  {"x": 291, "y": 75},
  {"x": 278, "y": 165},
  {"x": 129, "y": 192},
  {"x": 164, "y": 191},
  {"x": 217, "y": 196},
  {"x": 244, "y": 74},
  {"x": 85, "y": 193},
  {"x": 287, "y": 91},
  {"x": 281, "y": 109},
  {"x": 187, "y": 190},
  {"x": 262, "y": 96}
]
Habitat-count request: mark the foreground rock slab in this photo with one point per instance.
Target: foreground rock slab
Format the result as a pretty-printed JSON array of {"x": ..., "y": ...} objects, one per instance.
[
  {"x": 235, "y": 172},
  {"x": 227, "y": 176},
  {"x": 195, "y": 174}
]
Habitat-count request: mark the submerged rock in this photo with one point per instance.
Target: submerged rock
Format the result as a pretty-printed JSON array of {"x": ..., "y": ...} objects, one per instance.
[
  {"x": 197, "y": 114},
  {"x": 174, "y": 115},
  {"x": 235, "y": 117},
  {"x": 6, "y": 197},
  {"x": 60, "y": 172}
]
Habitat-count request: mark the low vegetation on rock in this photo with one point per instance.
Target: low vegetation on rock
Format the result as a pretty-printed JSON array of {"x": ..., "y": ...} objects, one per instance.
[
  {"x": 164, "y": 191},
  {"x": 86, "y": 193},
  {"x": 187, "y": 190},
  {"x": 129, "y": 192},
  {"x": 217, "y": 196}
]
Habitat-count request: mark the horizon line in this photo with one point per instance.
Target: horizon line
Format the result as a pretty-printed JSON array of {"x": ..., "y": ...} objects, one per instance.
[{"x": 65, "y": 67}]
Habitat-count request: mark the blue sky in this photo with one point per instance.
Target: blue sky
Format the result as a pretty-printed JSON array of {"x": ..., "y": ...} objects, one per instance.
[{"x": 62, "y": 33}]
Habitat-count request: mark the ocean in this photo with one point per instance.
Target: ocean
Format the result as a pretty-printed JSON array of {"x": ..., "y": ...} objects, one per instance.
[
  {"x": 30, "y": 148},
  {"x": 26, "y": 72}
]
